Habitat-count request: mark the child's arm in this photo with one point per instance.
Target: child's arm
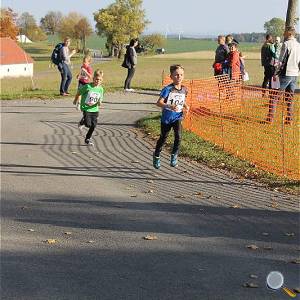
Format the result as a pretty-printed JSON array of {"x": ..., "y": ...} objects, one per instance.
[
  {"x": 187, "y": 108},
  {"x": 161, "y": 103}
]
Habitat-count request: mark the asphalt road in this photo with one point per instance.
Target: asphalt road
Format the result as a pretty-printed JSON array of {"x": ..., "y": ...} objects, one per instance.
[{"x": 98, "y": 203}]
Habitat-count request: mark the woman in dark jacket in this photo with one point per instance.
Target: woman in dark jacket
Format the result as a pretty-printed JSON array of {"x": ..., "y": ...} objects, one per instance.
[{"x": 130, "y": 62}]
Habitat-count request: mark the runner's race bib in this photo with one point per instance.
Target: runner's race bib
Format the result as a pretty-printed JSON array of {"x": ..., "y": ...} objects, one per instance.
[
  {"x": 92, "y": 98},
  {"x": 178, "y": 99}
]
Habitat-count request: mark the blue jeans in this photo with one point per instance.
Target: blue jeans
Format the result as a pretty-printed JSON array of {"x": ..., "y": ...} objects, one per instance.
[
  {"x": 66, "y": 77},
  {"x": 287, "y": 84}
]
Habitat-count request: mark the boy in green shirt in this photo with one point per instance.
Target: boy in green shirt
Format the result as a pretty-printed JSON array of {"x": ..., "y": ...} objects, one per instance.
[{"x": 91, "y": 96}]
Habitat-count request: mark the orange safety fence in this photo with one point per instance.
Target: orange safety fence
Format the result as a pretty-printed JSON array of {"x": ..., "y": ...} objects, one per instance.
[{"x": 259, "y": 125}]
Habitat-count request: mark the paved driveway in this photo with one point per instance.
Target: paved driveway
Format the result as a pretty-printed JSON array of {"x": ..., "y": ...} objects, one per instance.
[{"x": 98, "y": 203}]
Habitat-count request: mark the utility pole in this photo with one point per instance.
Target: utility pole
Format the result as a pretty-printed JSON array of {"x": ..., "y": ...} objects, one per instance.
[{"x": 291, "y": 14}]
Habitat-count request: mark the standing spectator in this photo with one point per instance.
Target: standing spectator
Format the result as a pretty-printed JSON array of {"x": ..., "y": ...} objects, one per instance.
[
  {"x": 63, "y": 67},
  {"x": 267, "y": 56},
  {"x": 228, "y": 39},
  {"x": 277, "y": 47},
  {"x": 288, "y": 71},
  {"x": 234, "y": 61},
  {"x": 221, "y": 58},
  {"x": 130, "y": 61}
]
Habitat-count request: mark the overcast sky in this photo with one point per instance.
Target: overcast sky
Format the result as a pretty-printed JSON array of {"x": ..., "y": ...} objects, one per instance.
[{"x": 190, "y": 16}]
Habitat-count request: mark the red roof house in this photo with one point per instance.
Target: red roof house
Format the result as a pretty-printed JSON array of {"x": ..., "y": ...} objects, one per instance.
[{"x": 14, "y": 61}]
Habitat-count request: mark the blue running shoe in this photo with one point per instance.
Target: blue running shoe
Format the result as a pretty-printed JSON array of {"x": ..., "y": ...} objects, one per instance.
[
  {"x": 173, "y": 162},
  {"x": 156, "y": 162}
]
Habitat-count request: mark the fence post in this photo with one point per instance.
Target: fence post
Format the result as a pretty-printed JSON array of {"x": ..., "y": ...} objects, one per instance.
[
  {"x": 282, "y": 133},
  {"x": 221, "y": 112}
]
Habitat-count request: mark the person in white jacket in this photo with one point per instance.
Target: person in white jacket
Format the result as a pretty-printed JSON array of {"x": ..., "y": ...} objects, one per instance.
[{"x": 288, "y": 71}]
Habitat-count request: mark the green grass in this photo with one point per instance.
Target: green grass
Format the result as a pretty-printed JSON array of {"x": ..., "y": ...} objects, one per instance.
[{"x": 195, "y": 148}]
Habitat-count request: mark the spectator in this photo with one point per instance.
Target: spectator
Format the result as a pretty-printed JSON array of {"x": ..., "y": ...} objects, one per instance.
[
  {"x": 277, "y": 47},
  {"x": 63, "y": 67},
  {"x": 130, "y": 62},
  {"x": 267, "y": 56},
  {"x": 221, "y": 57},
  {"x": 228, "y": 39},
  {"x": 234, "y": 61},
  {"x": 288, "y": 71}
]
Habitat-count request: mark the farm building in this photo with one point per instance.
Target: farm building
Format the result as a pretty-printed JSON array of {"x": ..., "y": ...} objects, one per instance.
[
  {"x": 22, "y": 38},
  {"x": 14, "y": 61}
]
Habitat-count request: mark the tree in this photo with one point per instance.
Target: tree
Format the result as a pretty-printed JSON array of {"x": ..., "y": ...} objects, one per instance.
[
  {"x": 51, "y": 22},
  {"x": 275, "y": 27},
  {"x": 83, "y": 29},
  {"x": 68, "y": 26},
  {"x": 26, "y": 22},
  {"x": 152, "y": 41},
  {"x": 119, "y": 22},
  {"x": 8, "y": 27},
  {"x": 291, "y": 14}
]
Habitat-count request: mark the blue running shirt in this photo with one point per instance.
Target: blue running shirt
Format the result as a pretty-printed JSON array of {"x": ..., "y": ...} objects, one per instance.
[{"x": 173, "y": 96}]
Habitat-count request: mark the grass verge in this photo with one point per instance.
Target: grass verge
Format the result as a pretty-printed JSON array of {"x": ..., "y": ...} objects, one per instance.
[{"x": 195, "y": 148}]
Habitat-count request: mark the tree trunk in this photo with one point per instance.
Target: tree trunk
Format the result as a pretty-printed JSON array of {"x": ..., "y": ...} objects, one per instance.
[{"x": 291, "y": 14}]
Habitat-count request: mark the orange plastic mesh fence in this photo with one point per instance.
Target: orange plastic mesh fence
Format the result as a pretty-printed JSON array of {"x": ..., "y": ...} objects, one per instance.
[{"x": 259, "y": 125}]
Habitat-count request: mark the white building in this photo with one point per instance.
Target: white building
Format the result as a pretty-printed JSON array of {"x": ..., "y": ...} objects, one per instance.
[
  {"x": 22, "y": 38},
  {"x": 14, "y": 61}
]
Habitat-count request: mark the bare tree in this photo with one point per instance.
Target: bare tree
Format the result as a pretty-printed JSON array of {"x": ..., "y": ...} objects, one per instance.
[{"x": 291, "y": 14}]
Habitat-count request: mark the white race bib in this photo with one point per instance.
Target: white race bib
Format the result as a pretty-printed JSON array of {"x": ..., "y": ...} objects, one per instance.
[
  {"x": 178, "y": 99},
  {"x": 92, "y": 98}
]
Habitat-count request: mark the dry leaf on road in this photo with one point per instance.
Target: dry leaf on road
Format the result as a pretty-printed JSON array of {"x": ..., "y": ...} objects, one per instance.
[
  {"x": 265, "y": 233},
  {"x": 253, "y": 276},
  {"x": 31, "y": 230},
  {"x": 179, "y": 196},
  {"x": 250, "y": 285},
  {"x": 150, "y": 237},
  {"x": 252, "y": 247},
  {"x": 67, "y": 232},
  {"x": 295, "y": 261},
  {"x": 290, "y": 234},
  {"x": 50, "y": 241},
  {"x": 235, "y": 206}
]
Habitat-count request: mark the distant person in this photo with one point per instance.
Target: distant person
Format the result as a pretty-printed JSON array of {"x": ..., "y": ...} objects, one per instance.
[
  {"x": 63, "y": 67},
  {"x": 172, "y": 100},
  {"x": 221, "y": 57},
  {"x": 85, "y": 75},
  {"x": 267, "y": 57},
  {"x": 234, "y": 61},
  {"x": 130, "y": 62},
  {"x": 228, "y": 39},
  {"x": 288, "y": 70},
  {"x": 277, "y": 47},
  {"x": 90, "y": 97}
]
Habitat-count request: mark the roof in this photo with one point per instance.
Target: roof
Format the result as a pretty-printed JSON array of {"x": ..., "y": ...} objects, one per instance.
[{"x": 11, "y": 53}]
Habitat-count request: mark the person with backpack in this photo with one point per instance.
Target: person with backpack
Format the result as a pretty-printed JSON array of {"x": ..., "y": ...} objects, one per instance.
[
  {"x": 61, "y": 57},
  {"x": 267, "y": 58}
]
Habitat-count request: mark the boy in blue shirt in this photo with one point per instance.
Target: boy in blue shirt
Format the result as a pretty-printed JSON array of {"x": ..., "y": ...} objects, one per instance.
[{"x": 172, "y": 100}]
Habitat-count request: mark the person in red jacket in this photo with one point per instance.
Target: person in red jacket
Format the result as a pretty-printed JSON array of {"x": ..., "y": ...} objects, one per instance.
[{"x": 234, "y": 61}]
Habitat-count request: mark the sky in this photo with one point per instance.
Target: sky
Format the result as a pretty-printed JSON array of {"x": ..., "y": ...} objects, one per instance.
[{"x": 190, "y": 17}]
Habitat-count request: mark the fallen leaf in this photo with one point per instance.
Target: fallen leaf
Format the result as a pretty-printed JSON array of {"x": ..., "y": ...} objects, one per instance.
[
  {"x": 265, "y": 233},
  {"x": 198, "y": 194},
  {"x": 250, "y": 285},
  {"x": 90, "y": 242},
  {"x": 91, "y": 158},
  {"x": 252, "y": 247},
  {"x": 132, "y": 185},
  {"x": 149, "y": 192},
  {"x": 73, "y": 152},
  {"x": 235, "y": 206},
  {"x": 253, "y": 276},
  {"x": 295, "y": 261},
  {"x": 150, "y": 181},
  {"x": 50, "y": 241},
  {"x": 133, "y": 196},
  {"x": 179, "y": 196},
  {"x": 290, "y": 234},
  {"x": 135, "y": 161},
  {"x": 268, "y": 248},
  {"x": 67, "y": 232},
  {"x": 150, "y": 237},
  {"x": 31, "y": 230}
]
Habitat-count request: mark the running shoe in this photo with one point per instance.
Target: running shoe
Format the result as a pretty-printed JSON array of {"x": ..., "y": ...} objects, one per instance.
[
  {"x": 173, "y": 162},
  {"x": 156, "y": 162}
]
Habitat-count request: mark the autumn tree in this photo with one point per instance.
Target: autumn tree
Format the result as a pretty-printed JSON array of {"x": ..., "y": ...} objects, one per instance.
[
  {"x": 275, "y": 27},
  {"x": 8, "y": 27},
  {"x": 26, "y": 22},
  {"x": 68, "y": 27},
  {"x": 152, "y": 41},
  {"x": 83, "y": 29},
  {"x": 51, "y": 22},
  {"x": 120, "y": 22}
]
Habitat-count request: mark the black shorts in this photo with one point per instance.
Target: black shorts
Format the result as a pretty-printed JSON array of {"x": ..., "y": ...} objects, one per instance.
[{"x": 90, "y": 118}]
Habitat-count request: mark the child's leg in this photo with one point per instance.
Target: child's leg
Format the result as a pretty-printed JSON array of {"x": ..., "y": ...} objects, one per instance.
[
  {"x": 177, "y": 136},
  {"x": 164, "y": 131},
  {"x": 91, "y": 123}
]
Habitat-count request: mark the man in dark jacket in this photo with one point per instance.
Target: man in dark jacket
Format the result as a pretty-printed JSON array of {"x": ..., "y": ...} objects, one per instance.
[
  {"x": 221, "y": 58},
  {"x": 130, "y": 62},
  {"x": 267, "y": 55}
]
